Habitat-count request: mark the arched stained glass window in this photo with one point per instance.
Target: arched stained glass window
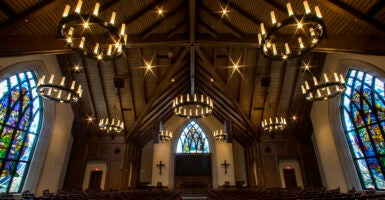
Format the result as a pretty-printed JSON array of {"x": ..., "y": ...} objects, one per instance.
[
  {"x": 192, "y": 140},
  {"x": 363, "y": 116},
  {"x": 20, "y": 121}
]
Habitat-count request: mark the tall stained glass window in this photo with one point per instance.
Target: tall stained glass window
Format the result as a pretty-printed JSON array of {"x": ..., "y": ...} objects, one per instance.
[
  {"x": 192, "y": 139},
  {"x": 363, "y": 117},
  {"x": 20, "y": 121}
]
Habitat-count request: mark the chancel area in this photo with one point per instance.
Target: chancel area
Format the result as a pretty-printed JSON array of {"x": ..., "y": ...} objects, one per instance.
[{"x": 192, "y": 99}]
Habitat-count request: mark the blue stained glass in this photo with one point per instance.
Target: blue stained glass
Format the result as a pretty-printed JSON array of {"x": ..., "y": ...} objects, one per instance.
[
  {"x": 16, "y": 120},
  {"x": 349, "y": 82},
  {"x": 192, "y": 140},
  {"x": 364, "y": 125}
]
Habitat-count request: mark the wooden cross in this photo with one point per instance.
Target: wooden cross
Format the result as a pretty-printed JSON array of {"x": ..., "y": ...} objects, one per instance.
[
  {"x": 225, "y": 165},
  {"x": 160, "y": 165}
]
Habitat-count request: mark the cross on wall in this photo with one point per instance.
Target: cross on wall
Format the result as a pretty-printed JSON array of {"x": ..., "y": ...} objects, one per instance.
[
  {"x": 225, "y": 165},
  {"x": 160, "y": 165}
]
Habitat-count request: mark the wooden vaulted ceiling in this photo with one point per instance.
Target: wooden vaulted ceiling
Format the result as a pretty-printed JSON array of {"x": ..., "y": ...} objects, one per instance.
[{"x": 191, "y": 32}]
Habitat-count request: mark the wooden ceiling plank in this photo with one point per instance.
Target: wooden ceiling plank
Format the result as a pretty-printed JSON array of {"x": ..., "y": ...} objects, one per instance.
[
  {"x": 109, "y": 5},
  {"x": 354, "y": 15},
  {"x": 119, "y": 96},
  {"x": 130, "y": 80},
  {"x": 254, "y": 81},
  {"x": 278, "y": 111},
  {"x": 7, "y": 10},
  {"x": 210, "y": 29},
  {"x": 31, "y": 13},
  {"x": 162, "y": 86},
  {"x": 140, "y": 56},
  {"x": 244, "y": 63},
  {"x": 192, "y": 20},
  {"x": 100, "y": 74},
  {"x": 173, "y": 30},
  {"x": 232, "y": 28},
  {"x": 148, "y": 31},
  {"x": 85, "y": 67},
  {"x": 243, "y": 12},
  {"x": 296, "y": 82},
  {"x": 227, "y": 92},
  {"x": 373, "y": 10},
  {"x": 266, "y": 95},
  {"x": 142, "y": 12}
]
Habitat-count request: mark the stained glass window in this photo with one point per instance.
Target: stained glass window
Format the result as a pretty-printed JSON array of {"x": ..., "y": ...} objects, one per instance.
[
  {"x": 192, "y": 139},
  {"x": 363, "y": 117},
  {"x": 20, "y": 120}
]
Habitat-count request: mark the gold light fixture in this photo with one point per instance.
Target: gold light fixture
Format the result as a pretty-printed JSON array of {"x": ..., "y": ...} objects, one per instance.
[
  {"x": 192, "y": 105},
  {"x": 324, "y": 88},
  {"x": 59, "y": 91},
  {"x": 220, "y": 135},
  {"x": 111, "y": 126},
  {"x": 90, "y": 35},
  {"x": 165, "y": 136},
  {"x": 293, "y": 36},
  {"x": 273, "y": 125}
]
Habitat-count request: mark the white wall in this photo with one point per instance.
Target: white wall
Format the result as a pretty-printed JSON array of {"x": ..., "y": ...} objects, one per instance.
[
  {"x": 239, "y": 162},
  {"x": 225, "y": 152},
  {"x": 146, "y": 163},
  {"x": 94, "y": 166},
  {"x": 49, "y": 163},
  {"x": 336, "y": 164}
]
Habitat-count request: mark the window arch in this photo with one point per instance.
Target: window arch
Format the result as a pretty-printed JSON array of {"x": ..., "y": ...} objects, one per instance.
[
  {"x": 20, "y": 122},
  {"x": 192, "y": 139},
  {"x": 363, "y": 118}
]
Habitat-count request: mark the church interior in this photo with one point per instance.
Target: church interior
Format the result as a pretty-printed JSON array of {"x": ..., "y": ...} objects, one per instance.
[{"x": 192, "y": 99}]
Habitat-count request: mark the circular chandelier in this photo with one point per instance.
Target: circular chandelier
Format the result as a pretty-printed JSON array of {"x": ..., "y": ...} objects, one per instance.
[
  {"x": 324, "y": 89},
  {"x": 62, "y": 92},
  {"x": 293, "y": 36},
  {"x": 113, "y": 126},
  {"x": 192, "y": 106},
  {"x": 92, "y": 36},
  {"x": 220, "y": 135},
  {"x": 270, "y": 125},
  {"x": 165, "y": 136}
]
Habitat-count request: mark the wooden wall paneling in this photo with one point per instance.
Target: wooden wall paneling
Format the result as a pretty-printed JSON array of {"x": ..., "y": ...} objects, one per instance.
[{"x": 74, "y": 177}]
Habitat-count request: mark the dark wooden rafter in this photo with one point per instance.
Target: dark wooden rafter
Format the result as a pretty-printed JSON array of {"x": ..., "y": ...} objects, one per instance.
[
  {"x": 375, "y": 8},
  {"x": 296, "y": 82},
  {"x": 174, "y": 28},
  {"x": 162, "y": 86},
  {"x": 129, "y": 76},
  {"x": 192, "y": 20},
  {"x": 254, "y": 82},
  {"x": 210, "y": 29},
  {"x": 142, "y": 12},
  {"x": 85, "y": 67},
  {"x": 140, "y": 56},
  {"x": 148, "y": 31},
  {"x": 242, "y": 11},
  {"x": 277, "y": 6},
  {"x": 278, "y": 111},
  {"x": 244, "y": 63},
  {"x": 354, "y": 15},
  {"x": 7, "y": 10},
  {"x": 100, "y": 74},
  {"x": 108, "y": 5},
  {"x": 227, "y": 92},
  {"x": 29, "y": 14},
  {"x": 119, "y": 95},
  {"x": 231, "y": 27},
  {"x": 266, "y": 93}
]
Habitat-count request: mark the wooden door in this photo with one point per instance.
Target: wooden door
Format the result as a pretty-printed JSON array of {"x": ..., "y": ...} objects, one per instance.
[
  {"x": 289, "y": 176},
  {"x": 95, "y": 180}
]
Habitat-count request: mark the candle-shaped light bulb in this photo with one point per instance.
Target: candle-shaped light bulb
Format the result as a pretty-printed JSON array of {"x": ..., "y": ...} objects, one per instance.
[
  {"x": 109, "y": 50},
  {"x": 318, "y": 93},
  {"x": 113, "y": 16},
  {"x": 202, "y": 98},
  {"x": 79, "y": 89},
  {"x": 96, "y": 49},
  {"x": 125, "y": 39},
  {"x": 96, "y": 9},
  {"x": 51, "y": 79},
  {"x": 62, "y": 81},
  {"x": 181, "y": 99},
  {"x": 289, "y": 9},
  {"x": 270, "y": 120},
  {"x": 307, "y": 85},
  {"x": 41, "y": 80},
  {"x": 263, "y": 31},
  {"x": 336, "y": 77},
  {"x": 342, "y": 79},
  {"x": 122, "y": 29},
  {"x": 259, "y": 39},
  {"x": 311, "y": 30},
  {"x": 119, "y": 48},
  {"x": 188, "y": 97},
  {"x": 273, "y": 20},
  {"x": 307, "y": 7},
  {"x": 328, "y": 91},
  {"x": 59, "y": 94},
  {"x": 317, "y": 12},
  {"x": 326, "y": 78},
  {"x": 73, "y": 85},
  {"x": 274, "y": 49},
  {"x": 79, "y": 6},
  {"x": 300, "y": 42},
  {"x": 287, "y": 48},
  {"x": 303, "y": 89},
  {"x": 66, "y": 10},
  {"x": 81, "y": 45},
  {"x": 315, "y": 80}
]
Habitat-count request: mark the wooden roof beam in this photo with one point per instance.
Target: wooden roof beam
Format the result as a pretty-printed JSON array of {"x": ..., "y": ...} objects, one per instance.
[
  {"x": 7, "y": 10},
  {"x": 130, "y": 81},
  {"x": 192, "y": 20},
  {"x": 354, "y": 15},
  {"x": 243, "y": 12},
  {"x": 142, "y": 12},
  {"x": 210, "y": 29},
  {"x": 99, "y": 66},
  {"x": 172, "y": 31}
]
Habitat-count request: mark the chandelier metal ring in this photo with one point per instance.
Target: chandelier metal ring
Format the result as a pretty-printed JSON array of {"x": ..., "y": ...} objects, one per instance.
[
  {"x": 62, "y": 92},
  {"x": 324, "y": 90},
  {"x": 111, "y": 127},
  {"x": 195, "y": 106}
]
